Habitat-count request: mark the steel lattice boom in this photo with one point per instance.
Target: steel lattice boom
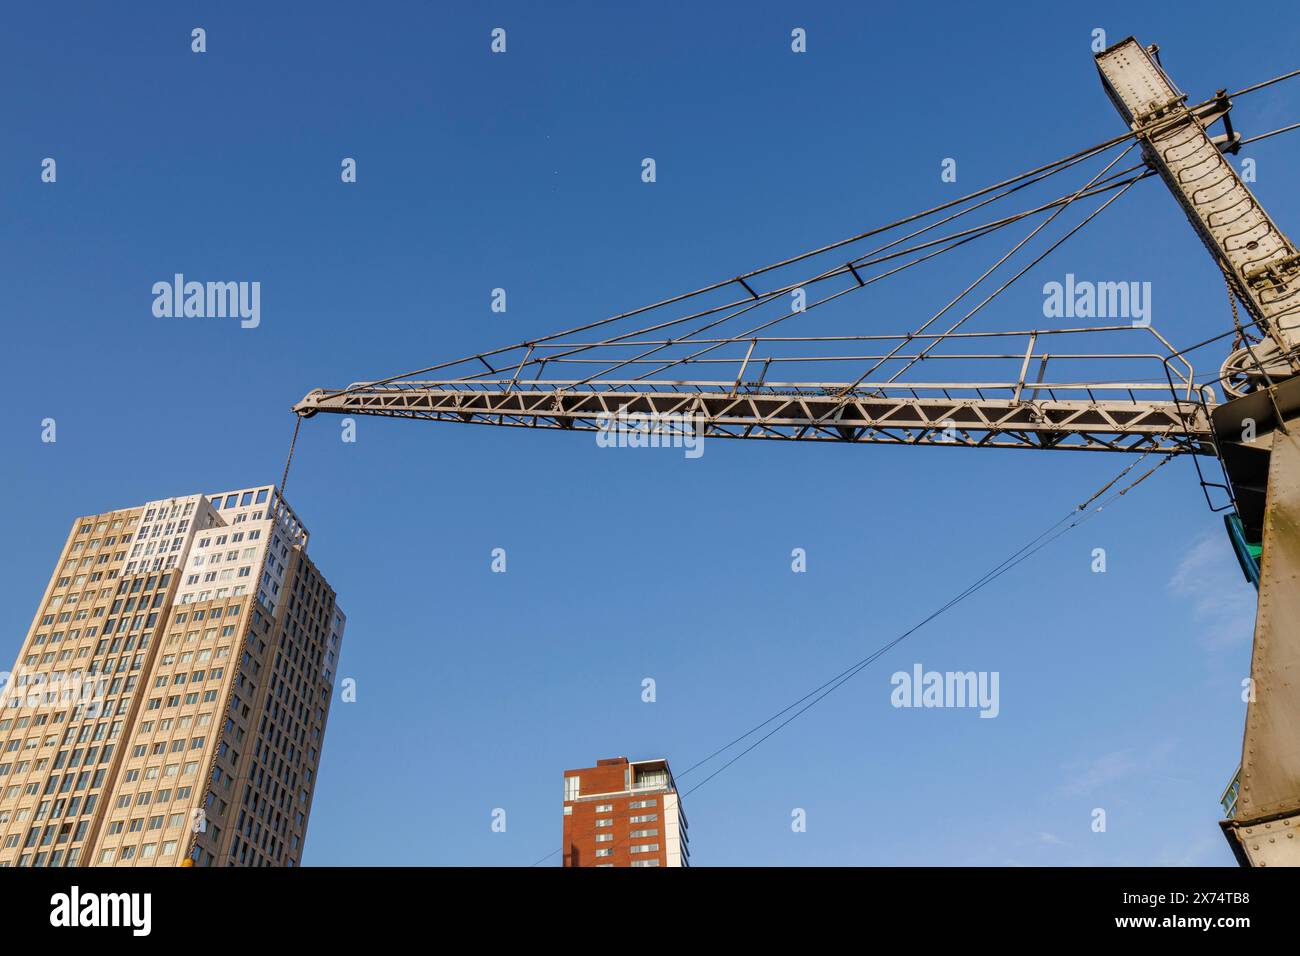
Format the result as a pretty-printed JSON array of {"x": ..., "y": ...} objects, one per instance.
[{"x": 792, "y": 412}]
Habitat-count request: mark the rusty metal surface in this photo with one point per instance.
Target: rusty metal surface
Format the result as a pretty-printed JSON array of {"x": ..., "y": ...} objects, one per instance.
[
  {"x": 1272, "y": 843},
  {"x": 1270, "y": 762}
]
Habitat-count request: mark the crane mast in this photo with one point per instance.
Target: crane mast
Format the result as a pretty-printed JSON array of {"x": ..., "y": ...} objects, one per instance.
[{"x": 1255, "y": 434}]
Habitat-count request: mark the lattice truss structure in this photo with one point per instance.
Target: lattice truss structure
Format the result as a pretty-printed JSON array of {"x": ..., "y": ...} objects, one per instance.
[{"x": 751, "y": 357}]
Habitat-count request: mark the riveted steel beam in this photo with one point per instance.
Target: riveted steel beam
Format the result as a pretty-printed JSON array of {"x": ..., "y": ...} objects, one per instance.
[
  {"x": 1260, "y": 261},
  {"x": 1265, "y": 829}
]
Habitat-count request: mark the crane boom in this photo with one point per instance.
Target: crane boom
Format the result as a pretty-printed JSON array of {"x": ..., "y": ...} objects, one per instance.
[{"x": 792, "y": 412}]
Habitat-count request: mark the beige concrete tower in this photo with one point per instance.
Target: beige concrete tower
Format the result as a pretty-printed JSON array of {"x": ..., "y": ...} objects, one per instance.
[{"x": 169, "y": 702}]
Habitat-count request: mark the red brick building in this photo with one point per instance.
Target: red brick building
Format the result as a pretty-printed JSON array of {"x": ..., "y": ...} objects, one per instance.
[{"x": 624, "y": 813}]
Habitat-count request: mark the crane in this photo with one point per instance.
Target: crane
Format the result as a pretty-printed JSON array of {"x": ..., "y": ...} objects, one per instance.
[{"x": 755, "y": 384}]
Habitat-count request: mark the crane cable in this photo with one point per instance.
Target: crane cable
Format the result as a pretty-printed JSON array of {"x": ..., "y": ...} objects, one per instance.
[
  {"x": 1041, "y": 172},
  {"x": 874, "y": 257},
  {"x": 1080, "y": 513},
  {"x": 1061, "y": 207},
  {"x": 297, "y": 423},
  {"x": 1023, "y": 554}
]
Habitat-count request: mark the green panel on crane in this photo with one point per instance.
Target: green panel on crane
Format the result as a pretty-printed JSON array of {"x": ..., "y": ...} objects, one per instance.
[{"x": 1248, "y": 552}]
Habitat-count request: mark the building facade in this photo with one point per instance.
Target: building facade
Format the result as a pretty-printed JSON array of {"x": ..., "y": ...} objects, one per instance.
[
  {"x": 169, "y": 703},
  {"x": 624, "y": 813}
]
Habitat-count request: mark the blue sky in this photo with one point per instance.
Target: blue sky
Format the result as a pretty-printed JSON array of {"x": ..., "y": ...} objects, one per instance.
[{"x": 476, "y": 690}]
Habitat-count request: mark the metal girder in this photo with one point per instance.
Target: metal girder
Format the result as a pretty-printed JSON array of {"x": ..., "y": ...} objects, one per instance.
[
  {"x": 1265, "y": 830},
  {"x": 789, "y": 412},
  {"x": 1260, "y": 261}
]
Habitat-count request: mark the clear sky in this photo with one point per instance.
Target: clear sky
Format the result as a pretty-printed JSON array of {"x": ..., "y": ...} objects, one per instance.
[{"x": 476, "y": 690}]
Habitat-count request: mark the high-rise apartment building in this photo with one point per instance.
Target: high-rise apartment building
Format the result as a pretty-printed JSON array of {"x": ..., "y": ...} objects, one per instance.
[
  {"x": 624, "y": 813},
  {"x": 169, "y": 702}
]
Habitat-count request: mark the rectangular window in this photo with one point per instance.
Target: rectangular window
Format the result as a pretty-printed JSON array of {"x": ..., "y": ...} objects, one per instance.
[{"x": 651, "y": 778}]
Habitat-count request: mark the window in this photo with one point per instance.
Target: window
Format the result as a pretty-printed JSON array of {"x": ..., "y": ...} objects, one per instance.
[
  {"x": 644, "y": 818},
  {"x": 651, "y": 778},
  {"x": 605, "y": 822},
  {"x": 607, "y": 851},
  {"x": 637, "y": 834},
  {"x": 604, "y": 837},
  {"x": 605, "y": 808},
  {"x": 571, "y": 788},
  {"x": 646, "y": 848}
]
